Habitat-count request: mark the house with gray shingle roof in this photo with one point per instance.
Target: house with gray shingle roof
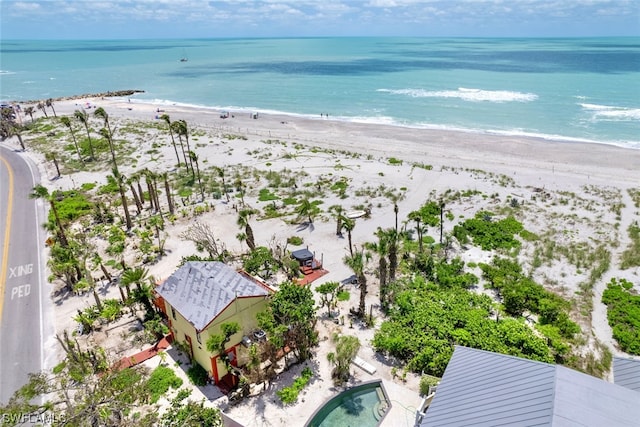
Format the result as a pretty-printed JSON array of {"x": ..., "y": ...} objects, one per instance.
[
  {"x": 481, "y": 388},
  {"x": 201, "y": 296}
]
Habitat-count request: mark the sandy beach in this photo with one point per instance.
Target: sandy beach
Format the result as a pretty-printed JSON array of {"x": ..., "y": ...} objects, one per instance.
[{"x": 566, "y": 190}]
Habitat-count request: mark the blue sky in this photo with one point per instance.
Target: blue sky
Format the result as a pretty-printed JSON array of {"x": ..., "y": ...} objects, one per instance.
[{"x": 118, "y": 19}]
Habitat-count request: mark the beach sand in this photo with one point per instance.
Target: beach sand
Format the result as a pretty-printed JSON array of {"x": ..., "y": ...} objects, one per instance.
[{"x": 564, "y": 188}]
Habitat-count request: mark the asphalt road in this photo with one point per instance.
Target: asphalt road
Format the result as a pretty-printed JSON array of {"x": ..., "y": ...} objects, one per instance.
[{"x": 26, "y": 319}]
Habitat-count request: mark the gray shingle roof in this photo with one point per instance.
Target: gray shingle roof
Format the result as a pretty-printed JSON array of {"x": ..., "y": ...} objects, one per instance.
[
  {"x": 481, "y": 388},
  {"x": 626, "y": 372},
  {"x": 200, "y": 291}
]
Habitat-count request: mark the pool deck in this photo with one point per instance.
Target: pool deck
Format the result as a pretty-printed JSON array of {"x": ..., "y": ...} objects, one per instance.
[{"x": 403, "y": 405}]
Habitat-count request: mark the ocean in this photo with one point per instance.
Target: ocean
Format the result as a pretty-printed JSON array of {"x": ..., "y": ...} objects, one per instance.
[{"x": 567, "y": 89}]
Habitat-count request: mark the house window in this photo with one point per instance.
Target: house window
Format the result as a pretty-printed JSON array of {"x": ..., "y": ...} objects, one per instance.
[{"x": 173, "y": 313}]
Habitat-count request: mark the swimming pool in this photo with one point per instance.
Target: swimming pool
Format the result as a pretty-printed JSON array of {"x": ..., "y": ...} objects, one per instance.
[{"x": 364, "y": 405}]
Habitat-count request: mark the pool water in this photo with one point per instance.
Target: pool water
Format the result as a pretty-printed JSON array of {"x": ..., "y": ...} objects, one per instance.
[{"x": 362, "y": 406}]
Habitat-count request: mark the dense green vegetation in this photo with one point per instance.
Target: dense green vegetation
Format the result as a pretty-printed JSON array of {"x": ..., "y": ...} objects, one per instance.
[
  {"x": 488, "y": 233},
  {"x": 631, "y": 256},
  {"x": 623, "y": 313},
  {"x": 161, "y": 380},
  {"x": 289, "y": 394},
  {"x": 426, "y": 320}
]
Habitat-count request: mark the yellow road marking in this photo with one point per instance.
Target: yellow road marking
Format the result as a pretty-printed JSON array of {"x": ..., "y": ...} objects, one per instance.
[{"x": 7, "y": 236}]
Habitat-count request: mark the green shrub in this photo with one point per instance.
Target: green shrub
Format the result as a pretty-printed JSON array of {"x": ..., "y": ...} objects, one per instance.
[
  {"x": 295, "y": 240},
  {"x": 161, "y": 380},
  {"x": 289, "y": 394},
  {"x": 198, "y": 375},
  {"x": 623, "y": 313},
  {"x": 489, "y": 234},
  {"x": 427, "y": 381},
  {"x": 266, "y": 195}
]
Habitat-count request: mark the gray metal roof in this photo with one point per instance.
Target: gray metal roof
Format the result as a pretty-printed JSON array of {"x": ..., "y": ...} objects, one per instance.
[
  {"x": 626, "y": 372},
  {"x": 481, "y": 388},
  {"x": 200, "y": 291}
]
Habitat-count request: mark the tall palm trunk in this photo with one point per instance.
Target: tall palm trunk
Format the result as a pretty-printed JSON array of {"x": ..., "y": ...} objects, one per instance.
[
  {"x": 136, "y": 199},
  {"x": 61, "y": 232},
  {"x": 167, "y": 190},
  {"x": 251, "y": 243}
]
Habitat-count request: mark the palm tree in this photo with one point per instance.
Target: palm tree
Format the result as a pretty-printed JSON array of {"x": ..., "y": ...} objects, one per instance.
[
  {"x": 83, "y": 118},
  {"x": 356, "y": 263},
  {"x": 396, "y": 210},
  {"x": 43, "y": 108},
  {"x": 441, "y": 218},
  {"x": 49, "y": 103},
  {"x": 417, "y": 217},
  {"x": 339, "y": 216},
  {"x": 393, "y": 237},
  {"x": 41, "y": 192},
  {"x": 167, "y": 190},
  {"x": 382, "y": 250},
  {"x": 123, "y": 197},
  {"x": 243, "y": 221},
  {"x": 152, "y": 187},
  {"x": 306, "y": 208},
  {"x": 107, "y": 133},
  {"x": 129, "y": 181},
  {"x": 220, "y": 172},
  {"x": 349, "y": 224},
  {"x": 136, "y": 276},
  {"x": 52, "y": 156},
  {"x": 157, "y": 222},
  {"x": 194, "y": 158},
  {"x": 167, "y": 120},
  {"x": 29, "y": 111},
  {"x": 11, "y": 129},
  {"x": 67, "y": 122},
  {"x": 181, "y": 129}
]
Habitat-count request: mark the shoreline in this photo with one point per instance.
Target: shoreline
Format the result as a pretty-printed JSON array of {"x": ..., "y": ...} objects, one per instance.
[{"x": 119, "y": 95}]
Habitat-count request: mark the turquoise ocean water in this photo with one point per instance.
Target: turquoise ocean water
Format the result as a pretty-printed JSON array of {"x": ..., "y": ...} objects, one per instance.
[{"x": 584, "y": 89}]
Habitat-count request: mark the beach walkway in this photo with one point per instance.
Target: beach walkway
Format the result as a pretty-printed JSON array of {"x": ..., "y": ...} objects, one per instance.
[{"x": 144, "y": 355}]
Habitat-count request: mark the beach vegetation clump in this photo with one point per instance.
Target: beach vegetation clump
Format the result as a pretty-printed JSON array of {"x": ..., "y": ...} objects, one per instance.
[
  {"x": 421, "y": 166},
  {"x": 394, "y": 162},
  {"x": 161, "y": 380},
  {"x": 623, "y": 314},
  {"x": 266, "y": 195},
  {"x": 487, "y": 233},
  {"x": 260, "y": 261},
  {"x": 425, "y": 320},
  {"x": 521, "y": 294},
  {"x": 197, "y": 375},
  {"x": 295, "y": 240},
  {"x": 290, "y": 394},
  {"x": 290, "y": 320},
  {"x": 634, "y": 193},
  {"x": 631, "y": 256}
]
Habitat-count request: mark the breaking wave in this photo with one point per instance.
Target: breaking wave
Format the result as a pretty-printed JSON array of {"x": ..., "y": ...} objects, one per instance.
[
  {"x": 612, "y": 113},
  {"x": 467, "y": 94}
]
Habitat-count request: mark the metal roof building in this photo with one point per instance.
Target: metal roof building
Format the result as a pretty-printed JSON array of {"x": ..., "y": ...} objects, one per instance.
[
  {"x": 481, "y": 388},
  {"x": 626, "y": 372},
  {"x": 200, "y": 290}
]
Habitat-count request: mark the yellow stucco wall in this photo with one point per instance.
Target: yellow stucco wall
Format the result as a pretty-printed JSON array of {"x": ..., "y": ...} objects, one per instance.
[{"x": 242, "y": 310}]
